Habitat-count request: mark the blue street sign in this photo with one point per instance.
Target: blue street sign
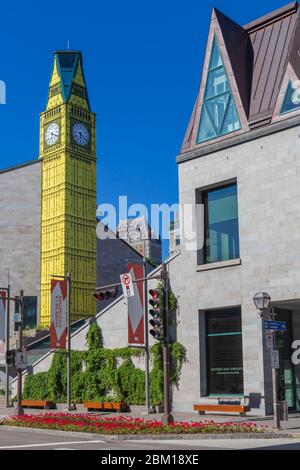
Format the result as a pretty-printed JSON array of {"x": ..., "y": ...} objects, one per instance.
[{"x": 274, "y": 325}]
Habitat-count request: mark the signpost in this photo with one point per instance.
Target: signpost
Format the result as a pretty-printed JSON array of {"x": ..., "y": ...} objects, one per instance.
[
  {"x": 271, "y": 326},
  {"x": 60, "y": 330}
]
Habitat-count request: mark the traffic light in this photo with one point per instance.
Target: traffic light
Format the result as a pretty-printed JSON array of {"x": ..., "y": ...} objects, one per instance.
[
  {"x": 106, "y": 294},
  {"x": 10, "y": 357},
  {"x": 17, "y": 314},
  {"x": 155, "y": 312}
]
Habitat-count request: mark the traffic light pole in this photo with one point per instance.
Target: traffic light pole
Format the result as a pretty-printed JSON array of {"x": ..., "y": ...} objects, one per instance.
[
  {"x": 20, "y": 410},
  {"x": 167, "y": 417},
  {"x": 70, "y": 407},
  {"x": 7, "y": 333},
  {"x": 146, "y": 337},
  {"x": 147, "y": 368}
]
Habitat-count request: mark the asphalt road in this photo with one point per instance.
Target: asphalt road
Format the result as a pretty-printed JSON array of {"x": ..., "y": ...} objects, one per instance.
[{"x": 27, "y": 439}]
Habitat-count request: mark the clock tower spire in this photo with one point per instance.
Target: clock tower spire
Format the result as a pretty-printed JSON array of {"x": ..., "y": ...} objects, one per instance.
[{"x": 68, "y": 153}]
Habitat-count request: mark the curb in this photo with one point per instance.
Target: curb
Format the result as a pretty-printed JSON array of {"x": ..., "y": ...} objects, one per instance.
[{"x": 142, "y": 437}]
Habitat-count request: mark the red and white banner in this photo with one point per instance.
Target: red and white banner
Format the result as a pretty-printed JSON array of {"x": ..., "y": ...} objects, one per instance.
[
  {"x": 3, "y": 294},
  {"x": 58, "y": 328},
  {"x": 136, "y": 336}
]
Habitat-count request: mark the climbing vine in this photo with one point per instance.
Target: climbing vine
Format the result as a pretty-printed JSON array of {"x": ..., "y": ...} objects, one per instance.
[{"x": 104, "y": 374}]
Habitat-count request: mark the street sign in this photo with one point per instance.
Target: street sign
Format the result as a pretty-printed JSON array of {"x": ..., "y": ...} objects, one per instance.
[
  {"x": 21, "y": 360},
  {"x": 274, "y": 325},
  {"x": 135, "y": 304},
  {"x": 269, "y": 339},
  {"x": 275, "y": 359},
  {"x": 127, "y": 285},
  {"x": 58, "y": 327}
]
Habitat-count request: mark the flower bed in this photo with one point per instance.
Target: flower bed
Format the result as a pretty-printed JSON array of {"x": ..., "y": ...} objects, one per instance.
[{"x": 125, "y": 425}]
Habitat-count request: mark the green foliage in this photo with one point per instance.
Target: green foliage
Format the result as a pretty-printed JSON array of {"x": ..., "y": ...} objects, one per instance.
[
  {"x": 104, "y": 374},
  {"x": 156, "y": 375}
]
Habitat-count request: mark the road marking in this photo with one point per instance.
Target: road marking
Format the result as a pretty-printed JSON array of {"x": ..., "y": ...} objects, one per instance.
[
  {"x": 64, "y": 448},
  {"x": 51, "y": 444}
]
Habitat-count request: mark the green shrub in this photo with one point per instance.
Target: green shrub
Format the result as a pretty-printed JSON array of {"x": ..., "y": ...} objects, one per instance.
[{"x": 104, "y": 374}]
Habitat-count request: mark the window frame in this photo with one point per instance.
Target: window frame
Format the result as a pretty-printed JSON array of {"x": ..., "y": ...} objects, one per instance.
[
  {"x": 231, "y": 310},
  {"x": 204, "y": 199},
  {"x": 205, "y": 99}
]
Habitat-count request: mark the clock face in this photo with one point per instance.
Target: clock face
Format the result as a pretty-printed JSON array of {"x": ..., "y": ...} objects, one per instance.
[
  {"x": 52, "y": 134},
  {"x": 80, "y": 134}
]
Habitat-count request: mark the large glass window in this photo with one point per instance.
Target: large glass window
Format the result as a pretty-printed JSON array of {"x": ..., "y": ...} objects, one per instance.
[
  {"x": 291, "y": 100},
  {"x": 30, "y": 312},
  {"x": 224, "y": 352},
  {"x": 221, "y": 224},
  {"x": 218, "y": 115}
]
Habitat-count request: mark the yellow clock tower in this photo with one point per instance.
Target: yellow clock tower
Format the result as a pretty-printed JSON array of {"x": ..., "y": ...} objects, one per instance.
[{"x": 68, "y": 153}]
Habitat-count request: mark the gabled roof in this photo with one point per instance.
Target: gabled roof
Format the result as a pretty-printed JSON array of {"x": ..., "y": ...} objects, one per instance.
[
  {"x": 271, "y": 40},
  {"x": 257, "y": 54}
]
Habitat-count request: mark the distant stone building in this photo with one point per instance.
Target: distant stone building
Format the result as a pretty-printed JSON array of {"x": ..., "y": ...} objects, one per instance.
[
  {"x": 174, "y": 235},
  {"x": 138, "y": 233}
]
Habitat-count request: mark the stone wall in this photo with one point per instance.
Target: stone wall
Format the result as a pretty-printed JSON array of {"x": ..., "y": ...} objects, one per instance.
[{"x": 20, "y": 201}]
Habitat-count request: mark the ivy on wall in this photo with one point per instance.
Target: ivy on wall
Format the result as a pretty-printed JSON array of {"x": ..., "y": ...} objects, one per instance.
[{"x": 104, "y": 374}]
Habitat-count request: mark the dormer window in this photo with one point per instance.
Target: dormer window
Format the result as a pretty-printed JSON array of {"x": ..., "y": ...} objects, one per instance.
[
  {"x": 218, "y": 114},
  {"x": 291, "y": 100}
]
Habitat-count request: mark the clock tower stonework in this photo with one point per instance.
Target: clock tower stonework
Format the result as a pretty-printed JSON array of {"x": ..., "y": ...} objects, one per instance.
[{"x": 68, "y": 219}]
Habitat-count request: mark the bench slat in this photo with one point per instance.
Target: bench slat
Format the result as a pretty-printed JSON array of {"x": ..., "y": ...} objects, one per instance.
[
  {"x": 97, "y": 405},
  {"x": 216, "y": 407},
  {"x": 38, "y": 404}
]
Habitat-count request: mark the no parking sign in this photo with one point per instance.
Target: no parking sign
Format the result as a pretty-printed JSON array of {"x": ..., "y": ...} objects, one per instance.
[{"x": 127, "y": 285}]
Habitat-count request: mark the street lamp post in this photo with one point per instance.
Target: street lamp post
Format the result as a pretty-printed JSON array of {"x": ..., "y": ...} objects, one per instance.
[{"x": 262, "y": 301}]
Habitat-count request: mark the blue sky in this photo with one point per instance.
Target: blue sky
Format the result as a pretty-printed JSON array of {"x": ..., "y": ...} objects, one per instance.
[{"x": 142, "y": 62}]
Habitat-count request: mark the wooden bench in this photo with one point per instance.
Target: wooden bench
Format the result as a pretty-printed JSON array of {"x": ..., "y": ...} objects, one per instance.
[
  {"x": 241, "y": 409},
  {"x": 106, "y": 406},
  {"x": 46, "y": 404}
]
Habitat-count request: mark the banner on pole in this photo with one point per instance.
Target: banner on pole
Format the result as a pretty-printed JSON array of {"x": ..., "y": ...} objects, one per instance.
[
  {"x": 58, "y": 328},
  {"x": 3, "y": 294},
  {"x": 136, "y": 336}
]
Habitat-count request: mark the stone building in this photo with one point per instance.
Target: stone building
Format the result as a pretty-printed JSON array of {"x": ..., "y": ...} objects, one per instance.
[
  {"x": 138, "y": 233},
  {"x": 240, "y": 160}
]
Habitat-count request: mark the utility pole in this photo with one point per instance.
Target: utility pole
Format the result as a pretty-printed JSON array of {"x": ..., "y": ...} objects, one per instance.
[
  {"x": 20, "y": 410},
  {"x": 276, "y": 403},
  {"x": 146, "y": 337},
  {"x": 7, "y": 333},
  {"x": 167, "y": 417},
  {"x": 147, "y": 355}
]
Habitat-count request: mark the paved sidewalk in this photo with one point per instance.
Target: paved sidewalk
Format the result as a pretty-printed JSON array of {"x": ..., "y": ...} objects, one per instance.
[{"x": 291, "y": 426}]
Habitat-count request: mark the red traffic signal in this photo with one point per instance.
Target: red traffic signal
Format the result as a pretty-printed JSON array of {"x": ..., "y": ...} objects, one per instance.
[
  {"x": 155, "y": 293},
  {"x": 106, "y": 294}
]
